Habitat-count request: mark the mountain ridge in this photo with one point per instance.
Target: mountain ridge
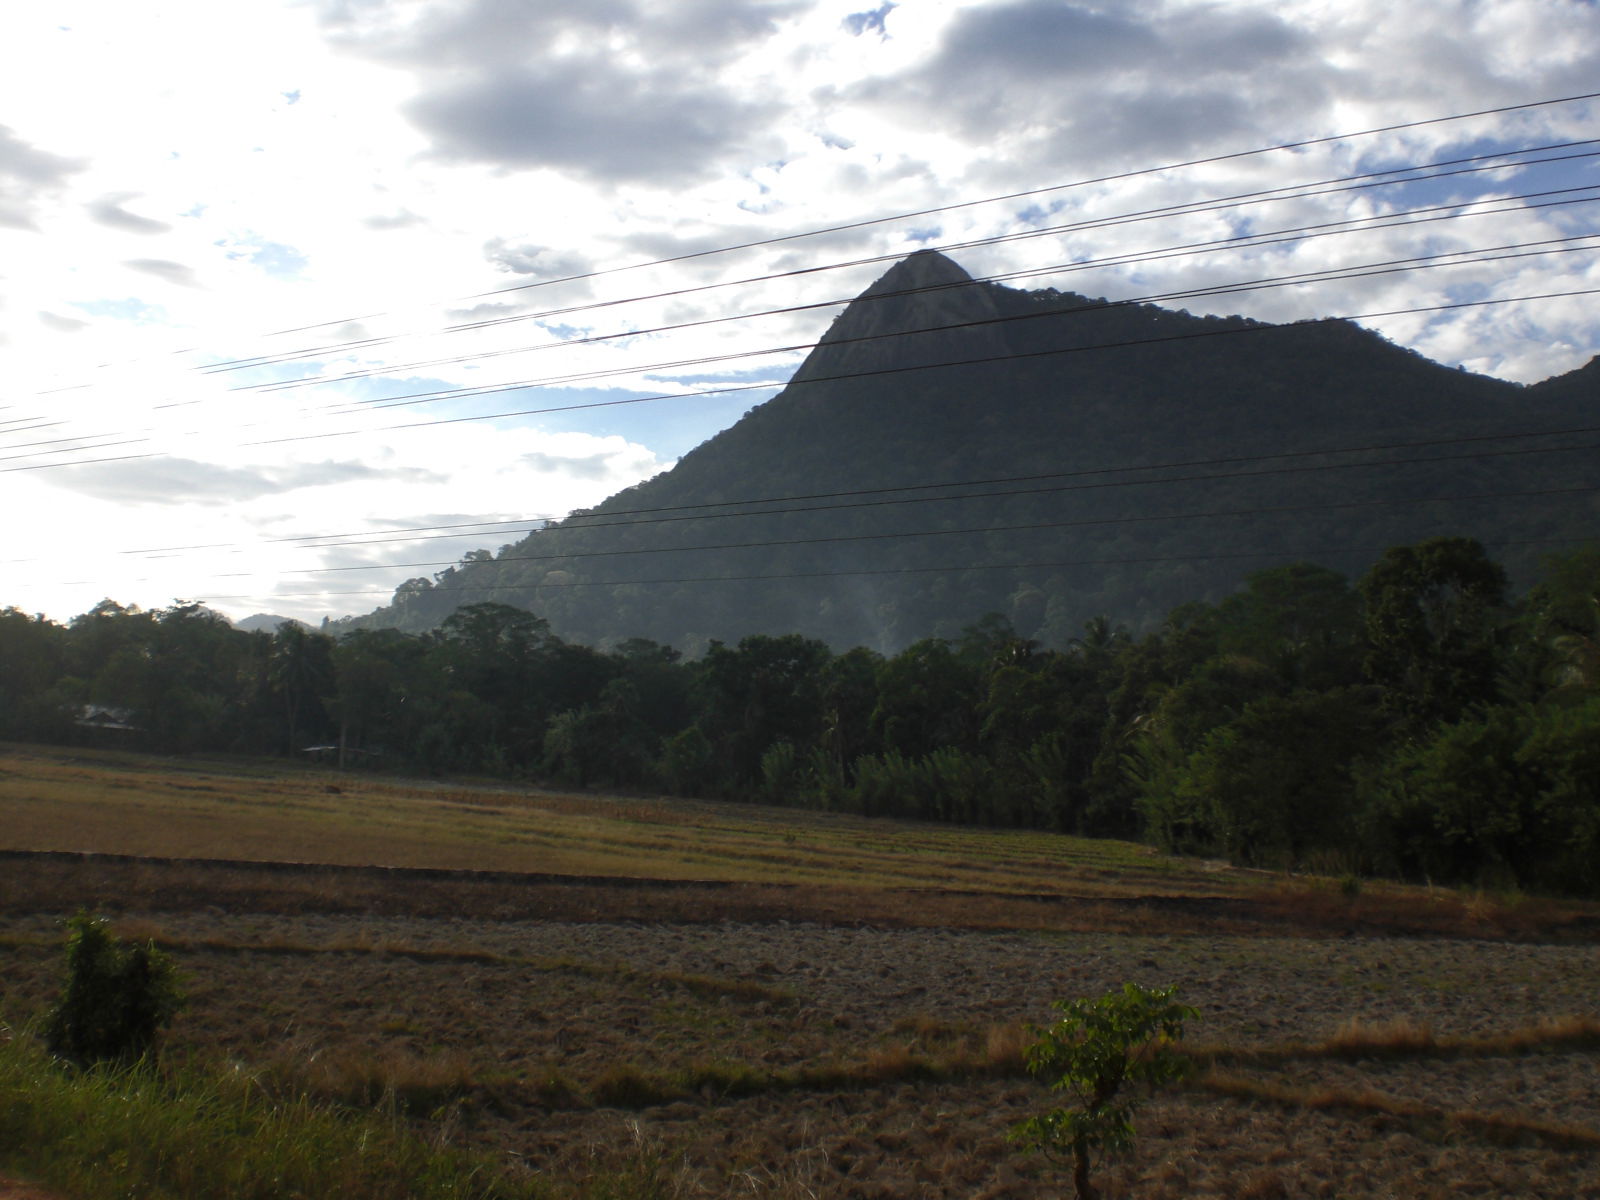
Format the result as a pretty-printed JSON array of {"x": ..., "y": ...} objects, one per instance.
[{"x": 931, "y": 376}]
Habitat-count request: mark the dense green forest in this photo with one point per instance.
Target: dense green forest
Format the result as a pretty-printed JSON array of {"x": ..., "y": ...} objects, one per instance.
[{"x": 1417, "y": 722}]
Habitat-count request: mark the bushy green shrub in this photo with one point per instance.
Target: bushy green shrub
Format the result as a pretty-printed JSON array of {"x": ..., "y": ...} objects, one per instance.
[
  {"x": 1092, "y": 1055},
  {"x": 1506, "y": 796},
  {"x": 1280, "y": 780},
  {"x": 947, "y": 785},
  {"x": 116, "y": 999},
  {"x": 784, "y": 778},
  {"x": 686, "y": 762}
]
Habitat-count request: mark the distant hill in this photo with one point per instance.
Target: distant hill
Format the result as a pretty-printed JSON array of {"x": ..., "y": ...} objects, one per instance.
[
  {"x": 268, "y": 622},
  {"x": 1155, "y": 458}
]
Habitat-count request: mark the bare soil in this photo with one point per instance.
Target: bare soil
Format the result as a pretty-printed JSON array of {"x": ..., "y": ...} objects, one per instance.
[
  {"x": 15, "y": 1189},
  {"x": 543, "y": 1019}
]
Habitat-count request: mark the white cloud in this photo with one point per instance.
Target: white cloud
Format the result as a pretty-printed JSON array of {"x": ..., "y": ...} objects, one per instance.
[
  {"x": 111, "y": 211},
  {"x": 28, "y": 177}
]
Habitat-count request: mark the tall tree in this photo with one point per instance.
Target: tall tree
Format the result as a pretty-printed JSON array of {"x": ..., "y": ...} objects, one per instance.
[
  {"x": 302, "y": 674},
  {"x": 768, "y": 690},
  {"x": 1301, "y": 620},
  {"x": 1435, "y": 615},
  {"x": 1563, "y": 614},
  {"x": 32, "y": 656}
]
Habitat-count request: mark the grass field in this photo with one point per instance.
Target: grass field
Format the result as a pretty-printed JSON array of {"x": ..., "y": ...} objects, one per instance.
[
  {"x": 130, "y": 805},
  {"x": 759, "y": 1002}
]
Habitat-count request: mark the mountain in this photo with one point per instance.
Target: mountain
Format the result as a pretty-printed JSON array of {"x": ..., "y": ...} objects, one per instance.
[
  {"x": 267, "y": 622},
  {"x": 1573, "y": 386},
  {"x": 1153, "y": 456}
]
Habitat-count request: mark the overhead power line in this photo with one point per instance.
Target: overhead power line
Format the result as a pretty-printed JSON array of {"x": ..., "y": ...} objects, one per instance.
[
  {"x": 1327, "y": 275},
  {"x": 1567, "y": 244},
  {"x": 1384, "y": 178},
  {"x": 531, "y": 524},
  {"x": 1280, "y": 554},
  {"x": 855, "y": 498},
  {"x": 1409, "y": 174},
  {"x": 885, "y": 371},
  {"x": 29, "y": 424},
  {"x": 967, "y": 204},
  {"x": 1390, "y": 177},
  {"x": 1061, "y": 187},
  {"x": 1250, "y": 241},
  {"x": 1253, "y": 328},
  {"x": 1295, "y": 191},
  {"x": 975, "y": 530}
]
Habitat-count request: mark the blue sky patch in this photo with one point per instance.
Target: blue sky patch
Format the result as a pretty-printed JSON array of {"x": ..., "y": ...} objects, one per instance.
[
  {"x": 129, "y": 309},
  {"x": 869, "y": 22}
]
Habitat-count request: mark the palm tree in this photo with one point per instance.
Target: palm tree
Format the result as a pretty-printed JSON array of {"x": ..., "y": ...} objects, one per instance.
[{"x": 301, "y": 669}]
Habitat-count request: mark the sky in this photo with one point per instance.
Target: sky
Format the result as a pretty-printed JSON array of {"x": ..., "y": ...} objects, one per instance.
[{"x": 303, "y": 298}]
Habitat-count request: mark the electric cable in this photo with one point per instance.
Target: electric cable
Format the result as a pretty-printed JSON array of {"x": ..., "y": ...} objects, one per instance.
[
  {"x": 1133, "y": 258},
  {"x": 1314, "y": 277},
  {"x": 1288, "y": 555},
  {"x": 878, "y": 372},
  {"x": 1031, "y": 527},
  {"x": 968, "y": 204},
  {"x": 1455, "y": 257},
  {"x": 1130, "y": 258},
  {"x": 320, "y": 541},
  {"x": 852, "y": 499},
  {"x": 1187, "y": 208}
]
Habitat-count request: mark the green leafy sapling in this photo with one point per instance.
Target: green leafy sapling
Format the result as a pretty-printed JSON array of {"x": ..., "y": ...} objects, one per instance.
[
  {"x": 1095, "y": 1055},
  {"x": 116, "y": 999}
]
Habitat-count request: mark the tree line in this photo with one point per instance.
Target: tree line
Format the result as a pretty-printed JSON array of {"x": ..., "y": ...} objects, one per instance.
[{"x": 1417, "y": 722}]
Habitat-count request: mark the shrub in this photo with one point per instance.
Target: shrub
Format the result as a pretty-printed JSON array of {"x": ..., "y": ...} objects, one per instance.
[
  {"x": 1506, "y": 796},
  {"x": 624, "y": 1085},
  {"x": 1096, "y": 1048},
  {"x": 117, "y": 997},
  {"x": 686, "y": 762},
  {"x": 784, "y": 777}
]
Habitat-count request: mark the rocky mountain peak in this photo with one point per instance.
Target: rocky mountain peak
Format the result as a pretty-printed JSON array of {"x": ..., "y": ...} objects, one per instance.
[
  {"x": 922, "y": 270},
  {"x": 924, "y": 309}
]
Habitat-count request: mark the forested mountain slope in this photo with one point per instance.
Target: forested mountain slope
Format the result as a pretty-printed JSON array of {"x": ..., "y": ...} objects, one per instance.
[{"x": 1091, "y": 458}]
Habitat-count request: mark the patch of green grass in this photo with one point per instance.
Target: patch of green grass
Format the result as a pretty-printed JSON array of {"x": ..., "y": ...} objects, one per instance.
[
  {"x": 137, "y": 1133},
  {"x": 108, "y": 1134}
]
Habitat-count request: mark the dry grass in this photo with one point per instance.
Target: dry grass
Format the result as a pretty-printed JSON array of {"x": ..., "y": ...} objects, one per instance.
[
  {"x": 1003, "y": 1049},
  {"x": 514, "y": 853},
  {"x": 859, "y": 1032},
  {"x": 149, "y": 806},
  {"x": 1496, "y": 1128},
  {"x": 1396, "y": 1037},
  {"x": 392, "y": 1078},
  {"x": 908, "y": 1097},
  {"x": 60, "y": 882},
  {"x": 1404, "y": 909},
  {"x": 1359, "y": 1039}
]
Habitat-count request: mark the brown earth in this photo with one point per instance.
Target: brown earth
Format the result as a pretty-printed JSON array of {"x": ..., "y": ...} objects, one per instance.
[
  {"x": 796, "y": 1050},
  {"x": 15, "y": 1189}
]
